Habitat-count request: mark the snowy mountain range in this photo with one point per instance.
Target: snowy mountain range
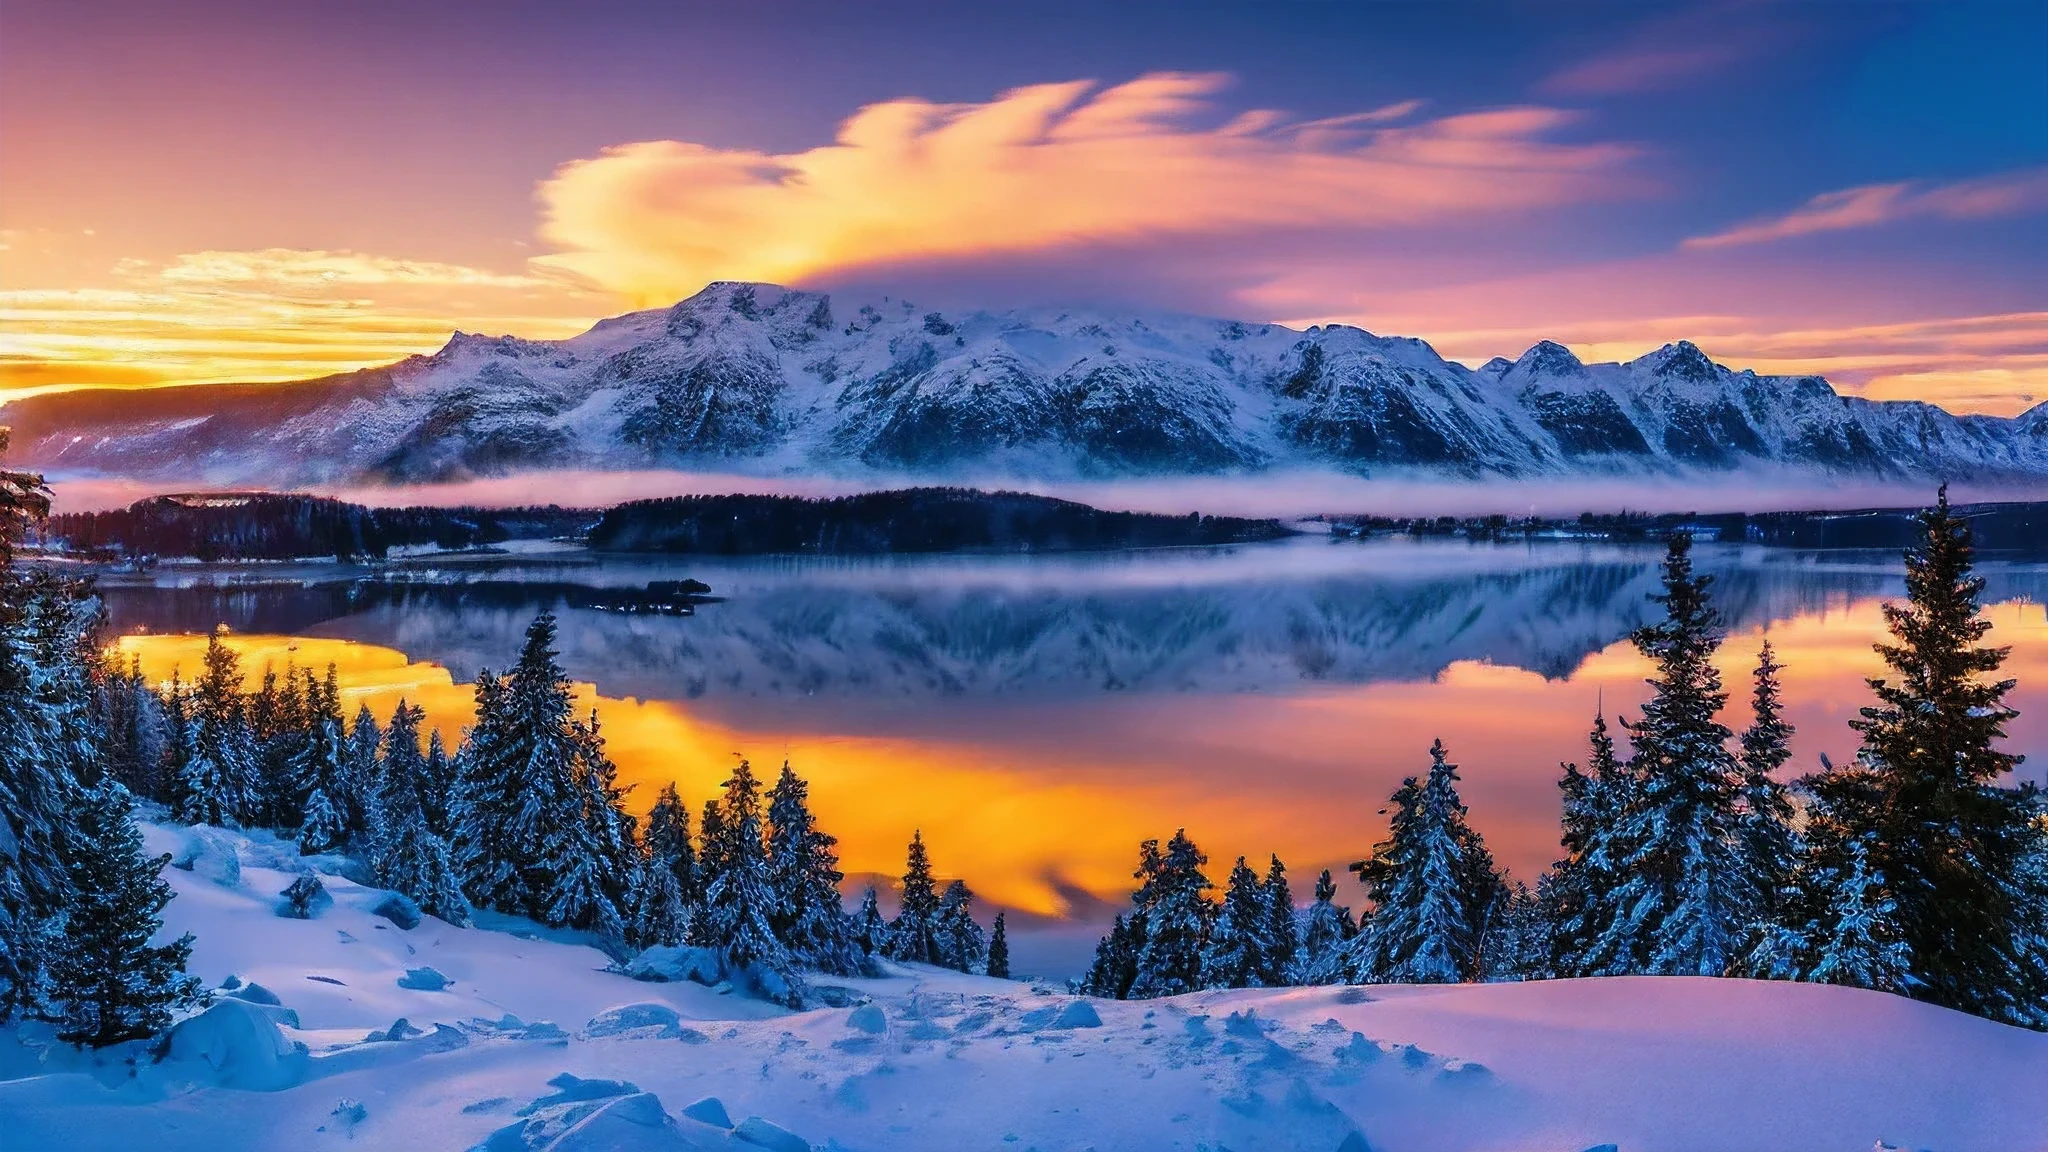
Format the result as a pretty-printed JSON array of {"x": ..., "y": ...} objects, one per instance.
[{"x": 759, "y": 378}]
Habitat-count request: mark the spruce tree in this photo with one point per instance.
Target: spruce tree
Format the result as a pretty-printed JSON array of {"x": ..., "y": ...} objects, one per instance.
[
  {"x": 217, "y": 784},
  {"x": 999, "y": 950},
  {"x": 1431, "y": 883},
  {"x": 1925, "y": 796},
  {"x": 482, "y": 806},
  {"x": 663, "y": 888},
  {"x": 440, "y": 776},
  {"x": 1283, "y": 936},
  {"x": 870, "y": 930},
  {"x": 1116, "y": 963},
  {"x": 1770, "y": 846},
  {"x": 739, "y": 909},
  {"x": 1328, "y": 928},
  {"x": 1176, "y": 923},
  {"x": 914, "y": 937},
  {"x": 109, "y": 983},
  {"x": 803, "y": 868},
  {"x": 409, "y": 857},
  {"x": 1840, "y": 926},
  {"x": 590, "y": 866},
  {"x": 325, "y": 825},
  {"x": 362, "y": 760},
  {"x": 963, "y": 946},
  {"x": 1237, "y": 950},
  {"x": 1687, "y": 900},
  {"x": 1579, "y": 892},
  {"x": 1515, "y": 942},
  {"x": 135, "y": 731}
]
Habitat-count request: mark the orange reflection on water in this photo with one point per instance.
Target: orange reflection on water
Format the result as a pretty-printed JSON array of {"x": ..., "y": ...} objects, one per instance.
[{"x": 1037, "y": 802}]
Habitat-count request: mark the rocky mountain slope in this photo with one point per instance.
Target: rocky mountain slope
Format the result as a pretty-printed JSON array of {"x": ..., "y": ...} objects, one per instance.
[{"x": 754, "y": 377}]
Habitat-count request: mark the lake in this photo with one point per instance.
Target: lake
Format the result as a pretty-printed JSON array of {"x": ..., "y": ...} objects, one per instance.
[{"x": 1037, "y": 717}]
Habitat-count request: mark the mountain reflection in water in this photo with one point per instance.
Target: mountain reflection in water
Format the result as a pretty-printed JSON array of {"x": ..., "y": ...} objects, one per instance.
[{"x": 1037, "y": 717}]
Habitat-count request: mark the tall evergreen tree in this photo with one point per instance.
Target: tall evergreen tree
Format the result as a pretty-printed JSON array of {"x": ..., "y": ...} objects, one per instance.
[
  {"x": 1116, "y": 963},
  {"x": 362, "y": 763},
  {"x": 665, "y": 887},
  {"x": 1282, "y": 934},
  {"x": 870, "y": 930},
  {"x": 134, "y": 725},
  {"x": 1770, "y": 845},
  {"x": 1578, "y": 894},
  {"x": 483, "y": 803},
  {"x": 914, "y": 937},
  {"x": 1237, "y": 948},
  {"x": 409, "y": 857},
  {"x": 1687, "y": 899},
  {"x": 1328, "y": 928},
  {"x": 1176, "y": 923},
  {"x": 999, "y": 949},
  {"x": 963, "y": 946},
  {"x": 1839, "y": 926},
  {"x": 110, "y": 984},
  {"x": 1925, "y": 796},
  {"x": 590, "y": 866},
  {"x": 739, "y": 908},
  {"x": 803, "y": 867},
  {"x": 1515, "y": 943},
  {"x": 325, "y": 825},
  {"x": 218, "y": 783},
  {"x": 1431, "y": 884},
  {"x": 440, "y": 776}
]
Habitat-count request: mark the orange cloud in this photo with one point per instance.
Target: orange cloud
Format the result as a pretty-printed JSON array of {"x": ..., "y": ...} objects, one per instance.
[
  {"x": 1871, "y": 205},
  {"x": 1041, "y": 168}
]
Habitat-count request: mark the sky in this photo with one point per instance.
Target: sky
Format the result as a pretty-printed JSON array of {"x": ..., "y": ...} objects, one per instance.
[{"x": 224, "y": 190}]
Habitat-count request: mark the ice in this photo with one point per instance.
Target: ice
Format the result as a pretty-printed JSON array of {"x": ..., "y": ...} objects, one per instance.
[{"x": 710, "y": 1110}]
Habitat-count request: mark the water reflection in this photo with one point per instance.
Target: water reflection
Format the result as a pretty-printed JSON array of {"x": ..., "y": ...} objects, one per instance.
[{"x": 1037, "y": 718}]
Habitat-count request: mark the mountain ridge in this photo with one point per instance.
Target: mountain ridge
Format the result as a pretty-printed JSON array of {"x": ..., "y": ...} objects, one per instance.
[{"x": 756, "y": 377}]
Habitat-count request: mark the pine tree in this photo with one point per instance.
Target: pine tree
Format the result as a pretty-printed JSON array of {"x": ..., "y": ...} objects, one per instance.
[
  {"x": 483, "y": 804},
  {"x": 1686, "y": 901},
  {"x": 409, "y": 857},
  {"x": 1951, "y": 845},
  {"x": 962, "y": 945},
  {"x": 739, "y": 909},
  {"x": 803, "y": 868},
  {"x": 666, "y": 885},
  {"x": 361, "y": 761},
  {"x": 1770, "y": 846},
  {"x": 440, "y": 777},
  {"x": 1578, "y": 894},
  {"x": 1515, "y": 943},
  {"x": 1329, "y": 927},
  {"x": 1841, "y": 926},
  {"x": 1283, "y": 936},
  {"x": 593, "y": 862},
  {"x": 218, "y": 782},
  {"x": 1116, "y": 963},
  {"x": 1431, "y": 883},
  {"x": 914, "y": 937},
  {"x": 325, "y": 826},
  {"x": 135, "y": 731},
  {"x": 870, "y": 930},
  {"x": 1237, "y": 950},
  {"x": 1176, "y": 923},
  {"x": 109, "y": 983},
  {"x": 999, "y": 950}
]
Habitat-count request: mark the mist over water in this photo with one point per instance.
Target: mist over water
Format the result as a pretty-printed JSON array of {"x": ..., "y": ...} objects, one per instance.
[{"x": 1037, "y": 717}]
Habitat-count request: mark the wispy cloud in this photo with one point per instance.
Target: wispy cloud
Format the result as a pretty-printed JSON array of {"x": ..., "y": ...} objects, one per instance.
[
  {"x": 1043, "y": 168},
  {"x": 303, "y": 268},
  {"x": 1671, "y": 51},
  {"x": 1871, "y": 205}
]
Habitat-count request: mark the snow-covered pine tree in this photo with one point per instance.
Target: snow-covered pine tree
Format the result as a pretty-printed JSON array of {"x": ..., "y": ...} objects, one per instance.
[
  {"x": 1925, "y": 794},
  {"x": 281, "y": 725},
  {"x": 1176, "y": 923},
  {"x": 1770, "y": 844},
  {"x": 361, "y": 763},
  {"x": 325, "y": 825},
  {"x": 963, "y": 946},
  {"x": 999, "y": 949},
  {"x": 663, "y": 887},
  {"x": 803, "y": 867},
  {"x": 1687, "y": 901},
  {"x": 482, "y": 804},
  {"x": 1431, "y": 885},
  {"x": 739, "y": 908},
  {"x": 914, "y": 937},
  {"x": 1237, "y": 949},
  {"x": 668, "y": 841},
  {"x": 440, "y": 777},
  {"x": 1515, "y": 941},
  {"x": 1116, "y": 963},
  {"x": 218, "y": 784},
  {"x": 1839, "y": 924},
  {"x": 591, "y": 867},
  {"x": 409, "y": 857},
  {"x": 870, "y": 930},
  {"x": 1283, "y": 934},
  {"x": 109, "y": 983},
  {"x": 1326, "y": 931},
  {"x": 1579, "y": 891},
  {"x": 710, "y": 836},
  {"x": 134, "y": 725}
]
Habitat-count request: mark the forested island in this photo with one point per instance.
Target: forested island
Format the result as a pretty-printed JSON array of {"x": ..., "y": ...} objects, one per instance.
[
  {"x": 219, "y": 526},
  {"x": 909, "y": 520}
]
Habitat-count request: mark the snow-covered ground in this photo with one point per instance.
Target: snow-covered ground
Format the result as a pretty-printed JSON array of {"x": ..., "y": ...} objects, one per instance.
[{"x": 527, "y": 1041}]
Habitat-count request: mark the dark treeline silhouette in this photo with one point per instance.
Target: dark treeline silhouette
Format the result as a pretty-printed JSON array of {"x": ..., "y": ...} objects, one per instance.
[
  {"x": 910, "y": 520},
  {"x": 272, "y": 526},
  {"x": 2011, "y": 526},
  {"x": 1919, "y": 868}
]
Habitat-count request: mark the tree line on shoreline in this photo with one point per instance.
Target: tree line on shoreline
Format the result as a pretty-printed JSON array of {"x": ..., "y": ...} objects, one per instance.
[{"x": 1914, "y": 869}]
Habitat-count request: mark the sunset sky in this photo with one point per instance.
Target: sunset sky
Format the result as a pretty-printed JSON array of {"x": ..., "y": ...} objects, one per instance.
[{"x": 228, "y": 190}]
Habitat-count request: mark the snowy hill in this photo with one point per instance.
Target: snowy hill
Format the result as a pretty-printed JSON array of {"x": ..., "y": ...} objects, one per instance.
[
  {"x": 535, "y": 1040},
  {"x": 756, "y": 377}
]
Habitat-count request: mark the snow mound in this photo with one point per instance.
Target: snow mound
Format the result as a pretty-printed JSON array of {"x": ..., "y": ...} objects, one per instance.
[
  {"x": 868, "y": 1018},
  {"x": 211, "y": 853},
  {"x": 710, "y": 1110},
  {"x": 658, "y": 1020},
  {"x": 400, "y": 909},
  {"x": 423, "y": 980},
  {"x": 760, "y": 1133},
  {"x": 235, "y": 1044},
  {"x": 663, "y": 965}
]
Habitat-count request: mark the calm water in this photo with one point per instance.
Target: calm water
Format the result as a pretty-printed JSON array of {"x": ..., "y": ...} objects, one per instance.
[{"x": 1038, "y": 717}]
